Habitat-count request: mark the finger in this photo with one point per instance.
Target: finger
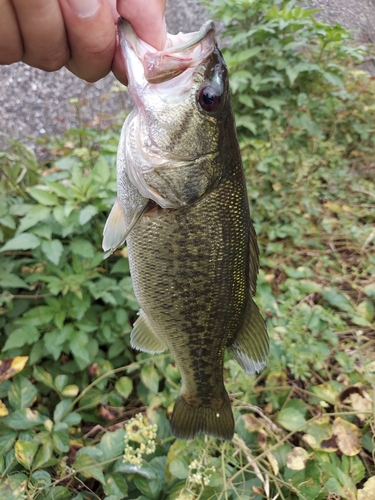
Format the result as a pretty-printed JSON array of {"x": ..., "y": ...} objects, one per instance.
[
  {"x": 147, "y": 19},
  {"x": 92, "y": 37},
  {"x": 11, "y": 48},
  {"x": 43, "y": 34},
  {"x": 118, "y": 66}
]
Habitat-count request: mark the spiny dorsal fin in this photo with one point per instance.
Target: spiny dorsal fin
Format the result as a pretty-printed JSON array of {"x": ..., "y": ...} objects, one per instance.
[
  {"x": 143, "y": 336},
  {"x": 115, "y": 230},
  {"x": 250, "y": 346}
]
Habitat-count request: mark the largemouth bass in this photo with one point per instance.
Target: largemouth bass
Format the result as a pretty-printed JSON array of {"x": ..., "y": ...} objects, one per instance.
[{"x": 182, "y": 208}]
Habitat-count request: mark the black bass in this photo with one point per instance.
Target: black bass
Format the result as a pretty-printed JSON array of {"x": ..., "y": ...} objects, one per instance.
[{"x": 182, "y": 208}]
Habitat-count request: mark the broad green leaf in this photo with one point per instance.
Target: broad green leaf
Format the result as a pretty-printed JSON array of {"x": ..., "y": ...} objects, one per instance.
[
  {"x": 53, "y": 250},
  {"x": 21, "y": 336},
  {"x": 23, "y": 419},
  {"x": 149, "y": 487},
  {"x": 25, "y": 452},
  {"x": 179, "y": 468},
  {"x": 6, "y": 441},
  {"x": 115, "y": 486},
  {"x": 36, "y": 214},
  {"x": 83, "y": 248},
  {"x": 22, "y": 393},
  {"x": 62, "y": 409},
  {"x": 41, "y": 375},
  {"x": 150, "y": 377},
  {"x": 86, "y": 214},
  {"x": 44, "y": 454},
  {"x": 112, "y": 444},
  {"x": 60, "y": 437},
  {"x": 8, "y": 280},
  {"x": 370, "y": 290},
  {"x": 366, "y": 310},
  {"x": 336, "y": 299},
  {"x": 87, "y": 461},
  {"x": 13, "y": 487},
  {"x": 124, "y": 386},
  {"x": 24, "y": 241},
  {"x": 291, "y": 419},
  {"x": 43, "y": 196},
  {"x": 41, "y": 478}
]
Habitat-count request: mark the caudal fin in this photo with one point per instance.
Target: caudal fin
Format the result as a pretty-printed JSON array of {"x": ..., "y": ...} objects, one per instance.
[{"x": 189, "y": 421}]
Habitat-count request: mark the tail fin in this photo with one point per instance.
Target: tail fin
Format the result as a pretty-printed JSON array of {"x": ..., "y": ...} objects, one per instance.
[{"x": 188, "y": 421}]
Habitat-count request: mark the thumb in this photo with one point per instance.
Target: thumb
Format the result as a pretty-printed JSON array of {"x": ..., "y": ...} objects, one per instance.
[{"x": 147, "y": 19}]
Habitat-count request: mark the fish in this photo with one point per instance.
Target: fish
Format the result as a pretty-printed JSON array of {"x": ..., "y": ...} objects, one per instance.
[{"x": 183, "y": 210}]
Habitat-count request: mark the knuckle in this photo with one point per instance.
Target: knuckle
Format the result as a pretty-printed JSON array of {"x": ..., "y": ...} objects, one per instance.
[{"x": 48, "y": 61}]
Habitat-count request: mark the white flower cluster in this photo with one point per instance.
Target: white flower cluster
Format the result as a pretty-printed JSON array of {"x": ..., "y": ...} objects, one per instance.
[
  {"x": 141, "y": 434},
  {"x": 199, "y": 473}
]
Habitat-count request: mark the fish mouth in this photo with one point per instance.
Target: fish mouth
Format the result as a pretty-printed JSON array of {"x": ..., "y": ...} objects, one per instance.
[{"x": 181, "y": 52}]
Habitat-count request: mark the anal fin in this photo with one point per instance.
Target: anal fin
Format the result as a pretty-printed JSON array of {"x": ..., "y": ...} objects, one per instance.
[
  {"x": 143, "y": 336},
  {"x": 250, "y": 346},
  {"x": 115, "y": 231}
]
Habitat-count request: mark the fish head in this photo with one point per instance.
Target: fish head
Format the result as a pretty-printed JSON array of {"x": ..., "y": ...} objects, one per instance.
[{"x": 171, "y": 141}]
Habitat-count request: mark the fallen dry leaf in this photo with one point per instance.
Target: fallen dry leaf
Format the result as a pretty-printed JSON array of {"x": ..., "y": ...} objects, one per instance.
[
  {"x": 347, "y": 437},
  {"x": 11, "y": 366},
  {"x": 296, "y": 459},
  {"x": 368, "y": 490}
]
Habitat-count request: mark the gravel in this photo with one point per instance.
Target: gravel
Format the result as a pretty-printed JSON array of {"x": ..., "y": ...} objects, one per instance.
[{"x": 34, "y": 103}]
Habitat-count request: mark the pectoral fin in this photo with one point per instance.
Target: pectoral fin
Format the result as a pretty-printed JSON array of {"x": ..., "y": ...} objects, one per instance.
[
  {"x": 143, "y": 336},
  {"x": 115, "y": 230},
  {"x": 250, "y": 346}
]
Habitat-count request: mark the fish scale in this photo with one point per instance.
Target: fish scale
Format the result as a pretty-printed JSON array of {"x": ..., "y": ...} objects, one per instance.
[{"x": 192, "y": 249}]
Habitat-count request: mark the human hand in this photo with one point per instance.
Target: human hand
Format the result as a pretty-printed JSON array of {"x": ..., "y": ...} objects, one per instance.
[{"x": 78, "y": 34}]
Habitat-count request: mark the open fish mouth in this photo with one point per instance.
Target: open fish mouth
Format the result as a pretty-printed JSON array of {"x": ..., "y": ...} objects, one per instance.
[{"x": 181, "y": 52}]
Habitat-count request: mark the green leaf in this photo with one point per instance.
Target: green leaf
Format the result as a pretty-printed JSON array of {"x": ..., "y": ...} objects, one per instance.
[
  {"x": 13, "y": 487},
  {"x": 291, "y": 419},
  {"x": 116, "y": 486},
  {"x": 24, "y": 241},
  {"x": 8, "y": 280},
  {"x": 25, "y": 452},
  {"x": 34, "y": 215},
  {"x": 60, "y": 437},
  {"x": 79, "y": 347},
  {"x": 87, "y": 461},
  {"x": 179, "y": 468},
  {"x": 124, "y": 386},
  {"x": 336, "y": 299},
  {"x": 53, "y": 250},
  {"x": 23, "y": 419},
  {"x": 151, "y": 488},
  {"x": 83, "y": 248},
  {"x": 370, "y": 290},
  {"x": 44, "y": 197},
  {"x": 112, "y": 444},
  {"x": 41, "y": 375},
  {"x": 62, "y": 409},
  {"x": 21, "y": 336},
  {"x": 22, "y": 393},
  {"x": 86, "y": 214},
  {"x": 150, "y": 377},
  {"x": 7, "y": 438},
  {"x": 44, "y": 454}
]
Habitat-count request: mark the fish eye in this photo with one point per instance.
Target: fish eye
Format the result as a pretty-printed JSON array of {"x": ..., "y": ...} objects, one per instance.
[{"x": 209, "y": 97}]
